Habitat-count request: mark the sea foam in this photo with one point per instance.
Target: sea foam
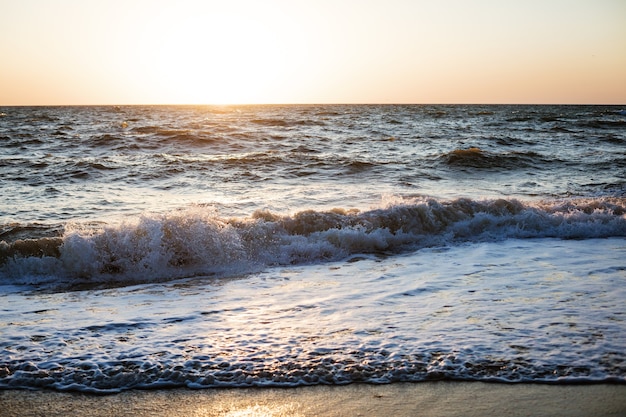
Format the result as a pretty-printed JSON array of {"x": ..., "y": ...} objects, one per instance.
[
  {"x": 533, "y": 310},
  {"x": 200, "y": 241}
]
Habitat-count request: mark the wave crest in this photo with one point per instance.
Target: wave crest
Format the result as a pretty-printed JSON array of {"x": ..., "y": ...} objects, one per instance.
[{"x": 199, "y": 241}]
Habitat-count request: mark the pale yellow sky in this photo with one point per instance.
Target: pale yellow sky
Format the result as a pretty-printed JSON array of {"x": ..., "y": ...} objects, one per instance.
[{"x": 312, "y": 51}]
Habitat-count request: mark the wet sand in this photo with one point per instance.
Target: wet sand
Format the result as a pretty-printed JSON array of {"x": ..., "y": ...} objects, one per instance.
[{"x": 417, "y": 399}]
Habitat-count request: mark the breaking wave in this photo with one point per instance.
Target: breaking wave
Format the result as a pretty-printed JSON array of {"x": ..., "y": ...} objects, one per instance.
[{"x": 198, "y": 241}]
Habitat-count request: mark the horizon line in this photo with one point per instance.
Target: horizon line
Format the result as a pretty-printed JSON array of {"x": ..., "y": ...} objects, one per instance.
[{"x": 321, "y": 104}]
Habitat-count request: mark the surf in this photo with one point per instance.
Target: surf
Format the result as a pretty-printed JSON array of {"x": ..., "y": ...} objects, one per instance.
[{"x": 200, "y": 241}]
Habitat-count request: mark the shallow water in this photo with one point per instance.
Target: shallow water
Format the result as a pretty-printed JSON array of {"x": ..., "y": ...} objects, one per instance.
[{"x": 522, "y": 310}]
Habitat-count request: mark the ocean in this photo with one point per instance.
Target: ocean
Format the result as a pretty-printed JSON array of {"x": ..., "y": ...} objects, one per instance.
[{"x": 285, "y": 245}]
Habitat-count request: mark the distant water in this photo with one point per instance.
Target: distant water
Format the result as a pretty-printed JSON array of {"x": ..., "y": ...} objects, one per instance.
[{"x": 201, "y": 246}]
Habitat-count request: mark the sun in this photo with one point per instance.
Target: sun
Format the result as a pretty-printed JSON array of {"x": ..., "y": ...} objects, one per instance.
[{"x": 215, "y": 58}]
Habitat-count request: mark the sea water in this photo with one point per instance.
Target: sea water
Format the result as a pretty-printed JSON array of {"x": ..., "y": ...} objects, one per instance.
[{"x": 204, "y": 246}]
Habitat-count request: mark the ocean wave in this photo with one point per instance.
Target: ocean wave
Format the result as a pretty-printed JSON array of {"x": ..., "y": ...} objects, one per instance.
[
  {"x": 478, "y": 158},
  {"x": 603, "y": 124},
  {"x": 280, "y": 122},
  {"x": 199, "y": 241},
  {"x": 10, "y": 232}
]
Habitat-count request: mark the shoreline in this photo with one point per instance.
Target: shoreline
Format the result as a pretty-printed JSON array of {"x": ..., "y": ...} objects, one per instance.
[{"x": 442, "y": 398}]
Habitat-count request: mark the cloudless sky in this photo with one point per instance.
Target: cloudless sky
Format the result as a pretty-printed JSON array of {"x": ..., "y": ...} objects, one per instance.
[{"x": 312, "y": 51}]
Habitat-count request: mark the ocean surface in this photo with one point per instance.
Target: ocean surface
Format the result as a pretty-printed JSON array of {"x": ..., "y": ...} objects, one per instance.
[{"x": 235, "y": 246}]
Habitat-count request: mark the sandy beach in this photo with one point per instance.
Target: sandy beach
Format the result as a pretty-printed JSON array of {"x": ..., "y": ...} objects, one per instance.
[{"x": 417, "y": 399}]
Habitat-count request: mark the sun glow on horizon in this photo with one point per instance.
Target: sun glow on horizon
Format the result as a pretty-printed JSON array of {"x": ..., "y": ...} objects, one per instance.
[{"x": 218, "y": 58}]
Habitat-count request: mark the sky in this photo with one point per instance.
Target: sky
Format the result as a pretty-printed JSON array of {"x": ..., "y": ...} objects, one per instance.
[{"x": 79, "y": 52}]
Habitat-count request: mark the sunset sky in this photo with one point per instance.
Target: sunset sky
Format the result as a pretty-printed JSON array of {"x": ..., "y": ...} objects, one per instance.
[{"x": 312, "y": 51}]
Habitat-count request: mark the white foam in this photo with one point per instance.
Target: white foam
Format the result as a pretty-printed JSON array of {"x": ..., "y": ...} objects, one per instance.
[
  {"x": 518, "y": 311},
  {"x": 200, "y": 241}
]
